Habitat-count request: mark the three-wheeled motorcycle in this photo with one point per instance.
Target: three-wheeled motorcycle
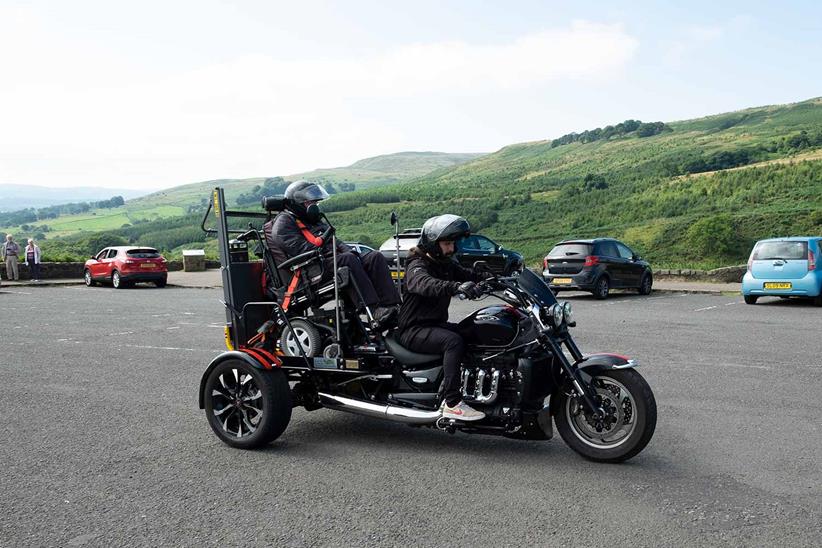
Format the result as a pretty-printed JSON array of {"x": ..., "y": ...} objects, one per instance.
[{"x": 296, "y": 337}]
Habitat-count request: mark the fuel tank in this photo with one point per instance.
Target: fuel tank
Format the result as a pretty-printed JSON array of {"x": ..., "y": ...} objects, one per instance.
[{"x": 497, "y": 325}]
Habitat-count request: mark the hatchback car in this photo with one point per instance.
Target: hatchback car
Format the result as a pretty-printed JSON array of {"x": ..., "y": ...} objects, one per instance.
[
  {"x": 123, "y": 266},
  {"x": 598, "y": 266},
  {"x": 784, "y": 267},
  {"x": 475, "y": 247}
]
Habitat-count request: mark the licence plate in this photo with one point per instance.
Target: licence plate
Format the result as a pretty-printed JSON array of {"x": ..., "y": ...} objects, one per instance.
[
  {"x": 147, "y": 265},
  {"x": 394, "y": 274},
  {"x": 561, "y": 281},
  {"x": 778, "y": 285}
]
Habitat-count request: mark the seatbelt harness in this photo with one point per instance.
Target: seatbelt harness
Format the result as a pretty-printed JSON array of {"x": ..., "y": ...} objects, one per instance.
[{"x": 314, "y": 240}]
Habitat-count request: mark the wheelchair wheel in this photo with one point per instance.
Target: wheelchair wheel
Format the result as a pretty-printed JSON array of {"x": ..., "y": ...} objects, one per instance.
[{"x": 307, "y": 335}]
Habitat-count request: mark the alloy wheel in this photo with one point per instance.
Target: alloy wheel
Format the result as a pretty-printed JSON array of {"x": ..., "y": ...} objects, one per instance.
[{"x": 237, "y": 403}]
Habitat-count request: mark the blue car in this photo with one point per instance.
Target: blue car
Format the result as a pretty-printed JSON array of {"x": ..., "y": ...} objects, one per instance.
[{"x": 784, "y": 267}]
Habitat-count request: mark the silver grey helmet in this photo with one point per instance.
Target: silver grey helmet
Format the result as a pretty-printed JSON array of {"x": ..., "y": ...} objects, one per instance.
[
  {"x": 441, "y": 228},
  {"x": 299, "y": 192}
]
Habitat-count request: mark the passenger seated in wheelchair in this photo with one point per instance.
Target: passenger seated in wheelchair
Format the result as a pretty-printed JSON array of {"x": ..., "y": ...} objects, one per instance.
[{"x": 297, "y": 230}]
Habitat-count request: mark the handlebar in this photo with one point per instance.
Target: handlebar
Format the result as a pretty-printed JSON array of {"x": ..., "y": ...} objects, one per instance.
[{"x": 248, "y": 235}]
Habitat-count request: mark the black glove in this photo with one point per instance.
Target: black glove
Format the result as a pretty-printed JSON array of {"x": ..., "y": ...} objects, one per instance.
[{"x": 469, "y": 289}]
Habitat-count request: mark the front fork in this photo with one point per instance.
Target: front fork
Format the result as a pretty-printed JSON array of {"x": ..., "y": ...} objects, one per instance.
[{"x": 585, "y": 390}]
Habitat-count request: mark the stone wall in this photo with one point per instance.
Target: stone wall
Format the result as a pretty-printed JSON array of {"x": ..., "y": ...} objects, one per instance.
[
  {"x": 728, "y": 274},
  {"x": 64, "y": 271}
]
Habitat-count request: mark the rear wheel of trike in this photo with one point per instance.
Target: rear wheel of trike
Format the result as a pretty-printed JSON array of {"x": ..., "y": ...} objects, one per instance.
[
  {"x": 247, "y": 407},
  {"x": 628, "y": 425}
]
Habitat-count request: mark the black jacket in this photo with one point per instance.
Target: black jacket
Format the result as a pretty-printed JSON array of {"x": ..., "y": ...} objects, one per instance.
[
  {"x": 429, "y": 286},
  {"x": 285, "y": 239}
]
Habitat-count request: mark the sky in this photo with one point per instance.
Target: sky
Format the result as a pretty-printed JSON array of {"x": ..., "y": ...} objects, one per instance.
[{"x": 155, "y": 94}]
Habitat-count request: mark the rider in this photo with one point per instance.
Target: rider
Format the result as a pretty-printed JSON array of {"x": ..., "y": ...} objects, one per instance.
[
  {"x": 432, "y": 278},
  {"x": 298, "y": 229}
]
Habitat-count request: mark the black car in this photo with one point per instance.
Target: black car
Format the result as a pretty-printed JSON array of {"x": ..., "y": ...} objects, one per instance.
[
  {"x": 469, "y": 250},
  {"x": 598, "y": 266}
]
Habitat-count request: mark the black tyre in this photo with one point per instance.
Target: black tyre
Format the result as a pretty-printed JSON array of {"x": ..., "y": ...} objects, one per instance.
[
  {"x": 629, "y": 423},
  {"x": 308, "y": 336},
  {"x": 116, "y": 281},
  {"x": 247, "y": 407},
  {"x": 818, "y": 300},
  {"x": 750, "y": 299},
  {"x": 602, "y": 288},
  {"x": 646, "y": 285},
  {"x": 160, "y": 283},
  {"x": 88, "y": 279}
]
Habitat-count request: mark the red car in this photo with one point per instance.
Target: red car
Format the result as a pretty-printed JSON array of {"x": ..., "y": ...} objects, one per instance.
[{"x": 126, "y": 265}]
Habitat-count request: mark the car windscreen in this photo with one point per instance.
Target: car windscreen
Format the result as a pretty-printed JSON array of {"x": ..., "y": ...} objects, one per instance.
[
  {"x": 145, "y": 253},
  {"x": 570, "y": 250},
  {"x": 780, "y": 250}
]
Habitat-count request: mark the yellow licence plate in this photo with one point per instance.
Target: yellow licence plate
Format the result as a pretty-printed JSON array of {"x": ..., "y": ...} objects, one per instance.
[
  {"x": 778, "y": 285},
  {"x": 394, "y": 274},
  {"x": 147, "y": 265},
  {"x": 562, "y": 281}
]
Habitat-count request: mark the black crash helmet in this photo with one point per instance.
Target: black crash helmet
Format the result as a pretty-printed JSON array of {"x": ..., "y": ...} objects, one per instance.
[
  {"x": 446, "y": 227},
  {"x": 300, "y": 192}
]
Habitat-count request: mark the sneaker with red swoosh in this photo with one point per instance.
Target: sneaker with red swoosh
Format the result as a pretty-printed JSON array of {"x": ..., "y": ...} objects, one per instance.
[{"x": 461, "y": 412}]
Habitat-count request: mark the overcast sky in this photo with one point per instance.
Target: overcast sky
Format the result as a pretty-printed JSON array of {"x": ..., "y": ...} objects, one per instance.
[{"x": 154, "y": 94}]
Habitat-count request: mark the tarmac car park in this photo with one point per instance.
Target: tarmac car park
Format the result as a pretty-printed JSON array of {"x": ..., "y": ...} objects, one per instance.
[{"x": 108, "y": 447}]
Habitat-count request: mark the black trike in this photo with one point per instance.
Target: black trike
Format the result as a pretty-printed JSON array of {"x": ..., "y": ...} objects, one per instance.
[{"x": 296, "y": 338}]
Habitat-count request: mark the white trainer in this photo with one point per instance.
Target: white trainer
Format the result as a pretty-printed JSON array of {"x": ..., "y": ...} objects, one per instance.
[{"x": 461, "y": 412}]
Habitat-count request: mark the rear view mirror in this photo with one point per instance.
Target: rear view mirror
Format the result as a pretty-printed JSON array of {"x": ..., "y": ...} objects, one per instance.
[{"x": 393, "y": 218}]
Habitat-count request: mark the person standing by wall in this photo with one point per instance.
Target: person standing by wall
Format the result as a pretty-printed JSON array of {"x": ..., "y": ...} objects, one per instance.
[
  {"x": 10, "y": 252},
  {"x": 33, "y": 260}
]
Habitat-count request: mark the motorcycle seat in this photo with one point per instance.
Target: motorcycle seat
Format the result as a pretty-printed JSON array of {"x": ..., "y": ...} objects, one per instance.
[{"x": 407, "y": 357}]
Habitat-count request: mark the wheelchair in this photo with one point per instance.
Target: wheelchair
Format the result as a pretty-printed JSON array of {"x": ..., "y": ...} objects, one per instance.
[{"x": 295, "y": 308}]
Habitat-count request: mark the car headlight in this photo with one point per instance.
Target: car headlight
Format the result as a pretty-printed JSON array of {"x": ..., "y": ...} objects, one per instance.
[{"x": 567, "y": 312}]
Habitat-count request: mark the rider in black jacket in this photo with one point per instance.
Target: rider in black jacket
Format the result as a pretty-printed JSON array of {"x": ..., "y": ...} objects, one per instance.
[
  {"x": 432, "y": 278},
  {"x": 298, "y": 230}
]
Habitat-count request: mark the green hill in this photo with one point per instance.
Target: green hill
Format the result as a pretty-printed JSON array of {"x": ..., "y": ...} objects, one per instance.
[
  {"x": 182, "y": 200},
  {"x": 696, "y": 194},
  {"x": 693, "y": 193}
]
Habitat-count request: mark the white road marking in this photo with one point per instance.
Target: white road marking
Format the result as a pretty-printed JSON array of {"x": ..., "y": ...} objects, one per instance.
[
  {"x": 706, "y": 308},
  {"x": 168, "y": 348}
]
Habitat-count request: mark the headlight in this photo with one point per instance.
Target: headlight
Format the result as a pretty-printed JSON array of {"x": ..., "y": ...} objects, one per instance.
[
  {"x": 556, "y": 314},
  {"x": 567, "y": 312}
]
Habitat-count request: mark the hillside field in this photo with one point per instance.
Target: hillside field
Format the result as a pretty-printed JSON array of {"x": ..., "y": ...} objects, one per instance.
[{"x": 694, "y": 193}]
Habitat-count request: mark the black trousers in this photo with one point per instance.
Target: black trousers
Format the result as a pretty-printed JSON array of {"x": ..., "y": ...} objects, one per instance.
[
  {"x": 34, "y": 270},
  {"x": 372, "y": 275},
  {"x": 443, "y": 338}
]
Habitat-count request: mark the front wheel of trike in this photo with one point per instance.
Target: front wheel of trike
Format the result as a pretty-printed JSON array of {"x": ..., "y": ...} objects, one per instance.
[
  {"x": 245, "y": 406},
  {"x": 626, "y": 428}
]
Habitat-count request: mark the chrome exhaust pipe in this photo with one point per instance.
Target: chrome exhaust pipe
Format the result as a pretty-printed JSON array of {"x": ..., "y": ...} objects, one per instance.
[{"x": 390, "y": 412}]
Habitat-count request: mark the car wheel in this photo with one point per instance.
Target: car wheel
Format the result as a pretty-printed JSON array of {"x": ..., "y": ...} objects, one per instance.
[
  {"x": 818, "y": 300},
  {"x": 160, "y": 283},
  {"x": 646, "y": 286},
  {"x": 88, "y": 279},
  {"x": 602, "y": 288},
  {"x": 750, "y": 299},
  {"x": 116, "y": 281}
]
